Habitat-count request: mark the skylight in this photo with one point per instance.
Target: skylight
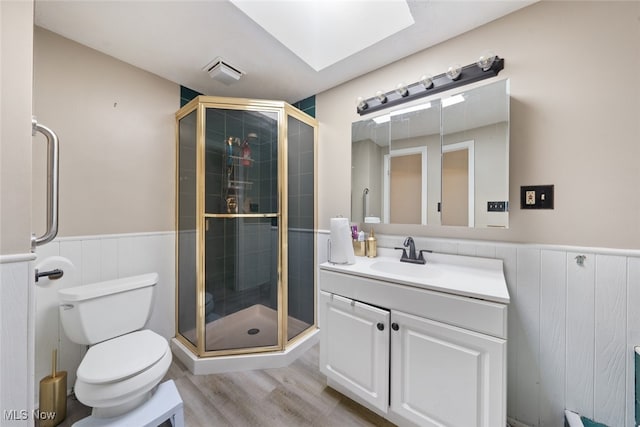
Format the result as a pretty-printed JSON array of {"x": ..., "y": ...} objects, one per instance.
[{"x": 324, "y": 32}]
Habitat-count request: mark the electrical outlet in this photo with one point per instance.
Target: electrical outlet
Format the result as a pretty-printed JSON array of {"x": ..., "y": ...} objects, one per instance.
[
  {"x": 530, "y": 197},
  {"x": 536, "y": 197}
]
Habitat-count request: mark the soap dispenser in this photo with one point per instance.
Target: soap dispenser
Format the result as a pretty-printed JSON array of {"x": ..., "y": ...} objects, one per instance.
[{"x": 371, "y": 245}]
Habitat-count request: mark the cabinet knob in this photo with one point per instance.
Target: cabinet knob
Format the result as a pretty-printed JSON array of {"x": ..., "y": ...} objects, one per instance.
[
  {"x": 380, "y": 326},
  {"x": 395, "y": 326}
]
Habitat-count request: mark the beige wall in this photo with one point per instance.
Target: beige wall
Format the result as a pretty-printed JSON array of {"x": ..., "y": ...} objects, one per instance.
[
  {"x": 117, "y": 140},
  {"x": 574, "y": 122},
  {"x": 16, "y": 40}
]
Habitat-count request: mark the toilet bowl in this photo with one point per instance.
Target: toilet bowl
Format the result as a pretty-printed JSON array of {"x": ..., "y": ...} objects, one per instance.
[{"x": 123, "y": 364}]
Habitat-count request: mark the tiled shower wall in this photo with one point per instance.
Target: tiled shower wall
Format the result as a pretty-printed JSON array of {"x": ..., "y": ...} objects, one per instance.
[{"x": 572, "y": 328}]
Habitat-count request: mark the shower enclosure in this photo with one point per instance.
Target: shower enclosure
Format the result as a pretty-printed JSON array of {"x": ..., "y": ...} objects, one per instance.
[{"x": 246, "y": 221}]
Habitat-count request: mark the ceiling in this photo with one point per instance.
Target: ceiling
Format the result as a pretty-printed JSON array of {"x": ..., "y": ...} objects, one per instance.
[{"x": 176, "y": 39}]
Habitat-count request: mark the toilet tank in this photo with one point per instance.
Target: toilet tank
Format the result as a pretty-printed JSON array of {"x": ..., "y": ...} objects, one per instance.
[{"x": 100, "y": 311}]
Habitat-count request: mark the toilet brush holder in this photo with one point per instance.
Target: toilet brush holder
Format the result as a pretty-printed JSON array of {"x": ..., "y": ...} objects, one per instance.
[{"x": 53, "y": 396}]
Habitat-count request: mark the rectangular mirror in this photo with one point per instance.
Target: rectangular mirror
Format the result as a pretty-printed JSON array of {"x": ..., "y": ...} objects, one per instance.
[{"x": 437, "y": 162}]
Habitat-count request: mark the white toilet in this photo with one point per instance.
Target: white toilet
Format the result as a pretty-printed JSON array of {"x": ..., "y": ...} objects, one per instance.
[{"x": 124, "y": 364}]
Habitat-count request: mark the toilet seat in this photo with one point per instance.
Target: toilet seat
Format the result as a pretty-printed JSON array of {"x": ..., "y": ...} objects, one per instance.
[
  {"x": 121, "y": 357},
  {"x": 138, "y": 363}
]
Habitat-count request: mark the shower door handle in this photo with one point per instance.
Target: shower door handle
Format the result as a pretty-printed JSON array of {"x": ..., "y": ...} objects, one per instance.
[{"x": 52, "y": 185}]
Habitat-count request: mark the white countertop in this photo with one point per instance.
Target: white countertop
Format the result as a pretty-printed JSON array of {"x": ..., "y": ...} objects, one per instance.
[{"x": 474, "y": 277}]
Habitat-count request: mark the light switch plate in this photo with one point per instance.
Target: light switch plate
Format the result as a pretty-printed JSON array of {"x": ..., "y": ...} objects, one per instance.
[
  {"x": 536, "y": 196},
  {"x": 501, "y": 206}
]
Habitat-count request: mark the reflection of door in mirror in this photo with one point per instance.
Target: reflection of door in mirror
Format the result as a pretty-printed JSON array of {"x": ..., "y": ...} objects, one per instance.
[
  {"x": 406, "y": 181},
  {"x": 458, "y": 184},
  {"x": 405, "y": 186}
]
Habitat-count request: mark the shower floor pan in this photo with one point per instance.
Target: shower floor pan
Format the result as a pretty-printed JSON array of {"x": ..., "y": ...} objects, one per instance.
[{"x": 255, "y": 326}]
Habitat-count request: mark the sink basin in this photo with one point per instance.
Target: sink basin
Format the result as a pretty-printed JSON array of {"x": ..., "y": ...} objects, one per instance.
[
  {"x": 475, "y": 277},
  {"x": 419, "y": 271}
]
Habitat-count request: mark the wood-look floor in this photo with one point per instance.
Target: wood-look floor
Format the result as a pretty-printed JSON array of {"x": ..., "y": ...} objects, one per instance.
[{"x": 296, "y": 395}]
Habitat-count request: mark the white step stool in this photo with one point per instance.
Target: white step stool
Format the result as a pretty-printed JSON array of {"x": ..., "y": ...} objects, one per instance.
[{"x": 165, "y": 404}]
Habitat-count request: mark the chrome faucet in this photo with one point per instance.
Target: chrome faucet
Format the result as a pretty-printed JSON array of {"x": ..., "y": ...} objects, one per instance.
[{"x": 412, "y": 257}]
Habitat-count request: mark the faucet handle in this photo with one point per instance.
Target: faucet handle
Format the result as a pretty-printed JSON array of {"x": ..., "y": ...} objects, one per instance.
[
  {"x": 404, "y": 252},
  {"x": 421, "y": 258}
]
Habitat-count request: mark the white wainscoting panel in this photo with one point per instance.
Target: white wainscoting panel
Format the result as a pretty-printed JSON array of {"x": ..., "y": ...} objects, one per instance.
[
  {"x": 553, "y": 332},
  {"x": 16, "y": 340},
  {"x": 633, "y": 334},
  {"x": 580, "y": 334},
  {"x": 610, "y": 339},
  {"x": 572, "y": 328},
  {"x": 91, "y": 259},
  {"x": 526, "y": 337}
]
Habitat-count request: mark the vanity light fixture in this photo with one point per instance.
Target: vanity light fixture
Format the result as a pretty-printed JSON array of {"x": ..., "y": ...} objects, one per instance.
[
  {"x": 362, "y": 104},
  {"x": 458, "y": 76},
  {"x": 486, "y": 60},
  {"x": 380, "y": 96},
  {"x": 427, "y": 81},
  {"x": 402, "y": 90},
  {"x": 454, "y": 71}
]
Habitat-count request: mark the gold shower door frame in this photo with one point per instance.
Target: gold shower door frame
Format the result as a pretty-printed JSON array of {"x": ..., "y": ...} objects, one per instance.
[{"x": 283, "y": 110}]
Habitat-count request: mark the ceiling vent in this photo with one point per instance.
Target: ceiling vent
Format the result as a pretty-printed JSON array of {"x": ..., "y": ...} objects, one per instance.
[{"x": 222, "y": 71}]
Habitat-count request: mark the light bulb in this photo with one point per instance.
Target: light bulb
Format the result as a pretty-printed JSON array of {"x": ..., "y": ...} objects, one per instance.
[
  {"x": 486, "y": 60},
  {"x": 380, "y": 96},
  {"x": 402, "y": 89},
  {"x": 427, "y": 81},
  {"x": 454, "y": 71},
  {"x": 362, "y": 104}
]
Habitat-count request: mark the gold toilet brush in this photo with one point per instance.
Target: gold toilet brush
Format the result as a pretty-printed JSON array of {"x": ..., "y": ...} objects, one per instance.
[{"x": 53, "y": 396}]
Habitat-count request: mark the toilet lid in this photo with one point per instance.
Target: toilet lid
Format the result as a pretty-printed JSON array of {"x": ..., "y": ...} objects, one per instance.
[{"x": 121, "y": 357}]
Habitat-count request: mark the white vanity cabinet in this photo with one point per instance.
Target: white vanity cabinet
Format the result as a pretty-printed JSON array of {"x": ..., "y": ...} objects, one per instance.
[
  {"x": 355, "y": 353},
  {"x": 444, "y": 375},
  {"x": 413, "y": 355}
]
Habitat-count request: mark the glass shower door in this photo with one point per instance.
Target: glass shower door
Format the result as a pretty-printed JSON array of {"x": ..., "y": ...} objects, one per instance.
[
  {"x": 241, "y": 304},
  {"x": 246, "y": 226},
  {"x": 301, "y": 226},
  {"x": 186, "y": 224}
]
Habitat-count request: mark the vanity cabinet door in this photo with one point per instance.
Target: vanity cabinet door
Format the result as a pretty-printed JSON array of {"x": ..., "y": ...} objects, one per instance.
[
  {"x": 445, "y": 375},
  {"x": 354, "y": 350}
]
